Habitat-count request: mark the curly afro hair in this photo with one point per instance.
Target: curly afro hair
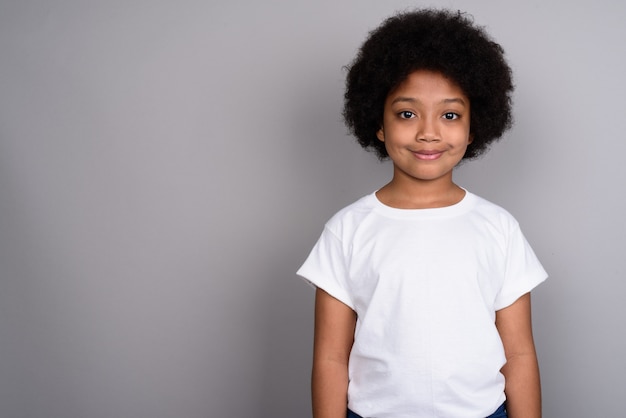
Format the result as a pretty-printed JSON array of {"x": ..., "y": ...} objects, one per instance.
[{"x": 437, "y": 40}]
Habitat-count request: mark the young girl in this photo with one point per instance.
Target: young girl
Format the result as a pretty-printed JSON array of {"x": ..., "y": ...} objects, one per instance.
[{"x": 422, "y": 304}]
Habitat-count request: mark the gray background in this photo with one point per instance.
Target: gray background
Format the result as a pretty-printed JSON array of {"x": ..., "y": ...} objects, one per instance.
[{"x": 166, "y": 166}]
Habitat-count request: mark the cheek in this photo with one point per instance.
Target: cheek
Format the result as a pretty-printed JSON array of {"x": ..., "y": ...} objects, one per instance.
[{"x": 466, "y": 136}]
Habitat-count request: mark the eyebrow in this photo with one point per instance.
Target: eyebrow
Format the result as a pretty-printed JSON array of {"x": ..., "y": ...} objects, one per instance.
[{"x": 414, "y": 100}]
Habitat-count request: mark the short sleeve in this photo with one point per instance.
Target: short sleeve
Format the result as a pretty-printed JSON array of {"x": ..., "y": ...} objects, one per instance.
[
  {"x": 523, "y": 270},
  {"x": 325, "y": 267}
]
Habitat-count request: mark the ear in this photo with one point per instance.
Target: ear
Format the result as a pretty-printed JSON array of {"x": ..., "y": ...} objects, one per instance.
[
  {"x": 470, "y": 139},
  {"x": 381, "y": 134}
]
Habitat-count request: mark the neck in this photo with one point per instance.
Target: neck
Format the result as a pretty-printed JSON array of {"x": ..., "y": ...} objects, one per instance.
[{"x": 420, "y": 194}]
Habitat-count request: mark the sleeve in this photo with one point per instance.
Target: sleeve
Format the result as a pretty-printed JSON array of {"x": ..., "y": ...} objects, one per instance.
[
  {"x": 523, "y": 270},
  {"x": 325, "y": 267}
]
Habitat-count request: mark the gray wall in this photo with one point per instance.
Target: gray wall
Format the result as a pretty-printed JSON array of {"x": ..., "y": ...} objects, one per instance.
[{"x": 166, "y": 166}]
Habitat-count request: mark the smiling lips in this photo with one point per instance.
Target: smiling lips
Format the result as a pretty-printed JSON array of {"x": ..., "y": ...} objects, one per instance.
[{"x": 427, "y": 154}]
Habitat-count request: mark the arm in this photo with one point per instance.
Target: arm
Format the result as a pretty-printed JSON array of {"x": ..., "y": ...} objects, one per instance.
[
  {"x": 521, "y": 371},
  {"x": 334, "y": 334}
]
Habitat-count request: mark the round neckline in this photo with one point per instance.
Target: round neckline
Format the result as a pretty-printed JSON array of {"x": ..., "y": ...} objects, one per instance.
[{"x": 462, "y": 206}]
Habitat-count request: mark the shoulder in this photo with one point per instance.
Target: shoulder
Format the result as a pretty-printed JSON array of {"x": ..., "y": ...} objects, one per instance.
[
  {"x": 490, "y": 212},
  {"x": 352, "y": 215},
  {"x": 494, "y": 222}
]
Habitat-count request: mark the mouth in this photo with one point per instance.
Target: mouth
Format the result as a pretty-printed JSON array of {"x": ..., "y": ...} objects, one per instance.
[{"x": 427, "y": 154}]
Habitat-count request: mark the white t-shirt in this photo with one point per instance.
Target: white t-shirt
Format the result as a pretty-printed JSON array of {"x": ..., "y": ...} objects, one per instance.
[{"x": 425, "y": 285}]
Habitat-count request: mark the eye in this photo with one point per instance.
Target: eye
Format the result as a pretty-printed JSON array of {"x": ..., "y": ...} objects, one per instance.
[
  {"x": 406, "y": 114},
  {"x": 451, "y": 116}
]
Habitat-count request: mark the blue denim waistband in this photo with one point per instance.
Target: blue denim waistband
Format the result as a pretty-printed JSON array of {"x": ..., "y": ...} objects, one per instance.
[{"x": 500, "y": 413}]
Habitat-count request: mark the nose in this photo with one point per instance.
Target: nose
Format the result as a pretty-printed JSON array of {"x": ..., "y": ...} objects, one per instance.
[{"x": 428, "y": 131}]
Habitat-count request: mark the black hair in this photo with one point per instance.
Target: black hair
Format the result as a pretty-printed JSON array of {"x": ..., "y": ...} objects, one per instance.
[{"x": 437, "y": 40}]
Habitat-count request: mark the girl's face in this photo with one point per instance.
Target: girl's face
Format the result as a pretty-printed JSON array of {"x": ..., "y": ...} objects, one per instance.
[{"x": 426, "y": 127}]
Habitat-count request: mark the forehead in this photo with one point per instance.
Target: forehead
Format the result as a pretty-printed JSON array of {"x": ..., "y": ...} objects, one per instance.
[{"x": 427, "y": 83}]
